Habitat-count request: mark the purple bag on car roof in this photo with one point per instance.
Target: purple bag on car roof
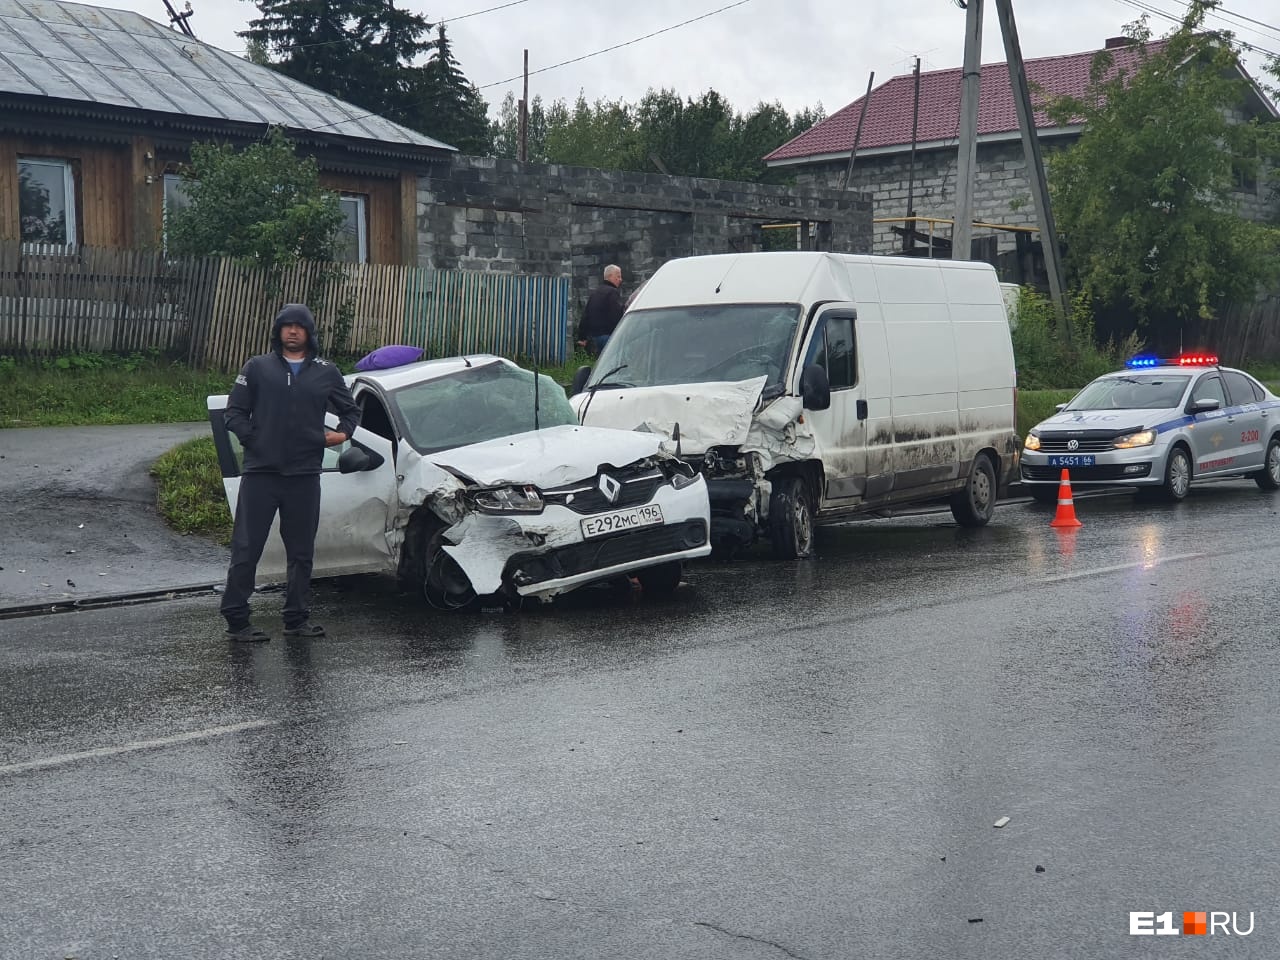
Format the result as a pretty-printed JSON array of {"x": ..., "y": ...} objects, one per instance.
[{"x": 384, "y": 358}]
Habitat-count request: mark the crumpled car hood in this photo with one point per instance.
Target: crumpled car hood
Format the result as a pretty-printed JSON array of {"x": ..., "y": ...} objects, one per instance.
[
  {"x": 548, "y": 458},
  {"x": 709, "y": 414}
]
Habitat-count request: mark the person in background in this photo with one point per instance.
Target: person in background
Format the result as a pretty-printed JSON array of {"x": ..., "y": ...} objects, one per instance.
[
  {"x": 604, "y": 310},
  {"x": 277, "y": 409}
]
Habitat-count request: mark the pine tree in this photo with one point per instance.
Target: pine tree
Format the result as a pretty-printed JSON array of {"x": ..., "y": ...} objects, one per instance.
[
  {"x": 449, "y": 105},
  {"x": 361, "y": 51}
]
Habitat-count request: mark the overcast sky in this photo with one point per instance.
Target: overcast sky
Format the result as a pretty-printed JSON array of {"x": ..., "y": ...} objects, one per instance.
[{"x": 796, "y": 52}]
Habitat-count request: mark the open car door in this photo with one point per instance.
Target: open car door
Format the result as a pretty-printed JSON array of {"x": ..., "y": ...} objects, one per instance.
[{"x": 356, "y": 509}]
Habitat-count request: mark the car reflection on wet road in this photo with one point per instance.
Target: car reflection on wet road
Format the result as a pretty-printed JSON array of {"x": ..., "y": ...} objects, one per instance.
[{"x": 799, "y": 759}]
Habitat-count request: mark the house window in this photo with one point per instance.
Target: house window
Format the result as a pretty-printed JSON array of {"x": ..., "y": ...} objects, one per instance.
[
  {"x": 353, "y": 243},
  {"x": 47, "y": 201},
  {"x": 175, "y": 198}
]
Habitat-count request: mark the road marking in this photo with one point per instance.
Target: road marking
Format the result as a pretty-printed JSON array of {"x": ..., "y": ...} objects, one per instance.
[
  {"x": 63, "y": 759},
  {"x": 1095, "y": 571}
]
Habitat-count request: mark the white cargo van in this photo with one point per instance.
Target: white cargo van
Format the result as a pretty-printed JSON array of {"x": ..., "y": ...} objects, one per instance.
[{"x": 813, "y": 387}]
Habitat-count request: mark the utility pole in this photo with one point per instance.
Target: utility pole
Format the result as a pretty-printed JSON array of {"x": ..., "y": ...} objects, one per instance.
[
  {"x": 857, "y": 133},
  {"x": 522, "y": 146},
  {"x": 967, "y": 161},
  {"x": 909, "y": 238},
  {"x": 1031, "y": 149},
  {"x": 180, "y": 18}
]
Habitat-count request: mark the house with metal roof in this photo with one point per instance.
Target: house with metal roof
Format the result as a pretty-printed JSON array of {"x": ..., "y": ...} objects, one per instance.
[
  {"x": 99, "y": 107},
  {"x": 906, "y": 154}
]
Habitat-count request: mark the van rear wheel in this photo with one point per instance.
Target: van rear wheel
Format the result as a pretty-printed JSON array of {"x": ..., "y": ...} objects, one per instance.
[
  {"x": 791, "y": 519},
  {"x": 976, "y": 503}
]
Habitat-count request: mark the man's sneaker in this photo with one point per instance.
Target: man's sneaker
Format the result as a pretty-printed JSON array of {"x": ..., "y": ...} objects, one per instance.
[
  {"x": 305, "y": 629},
  {"x": 247, "y": 634}
]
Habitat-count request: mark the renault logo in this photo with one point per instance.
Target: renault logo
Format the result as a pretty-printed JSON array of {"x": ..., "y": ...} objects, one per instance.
[
  {"x": 1073, "y": 444},
  {"x": 610, "y": 487}
]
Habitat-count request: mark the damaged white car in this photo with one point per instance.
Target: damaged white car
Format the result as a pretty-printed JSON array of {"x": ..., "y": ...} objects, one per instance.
[{"x": 469, "y": 477}]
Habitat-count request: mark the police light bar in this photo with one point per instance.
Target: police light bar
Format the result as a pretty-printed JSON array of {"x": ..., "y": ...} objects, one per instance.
[{"x": 1185, "y": 360}]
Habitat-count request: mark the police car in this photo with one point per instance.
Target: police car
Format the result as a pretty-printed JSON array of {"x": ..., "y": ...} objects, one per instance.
[{"x": 1158, "y": 425}]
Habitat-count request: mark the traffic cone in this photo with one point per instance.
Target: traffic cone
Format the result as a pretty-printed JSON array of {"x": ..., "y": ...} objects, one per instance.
[{"x": 1066, "y": 515}]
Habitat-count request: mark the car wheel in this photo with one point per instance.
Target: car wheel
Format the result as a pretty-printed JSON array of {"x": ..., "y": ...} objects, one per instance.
[
  {"x": 976, "y": 503},
  {"x": 1268, "y": 478},
  {"x": 662, "y": 580},
  {"x": 1177, "y": 475},
  {"x": 791, "y": 519},
  {"x": 444, "y": 584},
  {"x": 1045, "y": 493}
]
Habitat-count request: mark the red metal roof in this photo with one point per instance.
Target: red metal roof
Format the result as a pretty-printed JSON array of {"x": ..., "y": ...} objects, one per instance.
[{"x": 888, "y": 120}]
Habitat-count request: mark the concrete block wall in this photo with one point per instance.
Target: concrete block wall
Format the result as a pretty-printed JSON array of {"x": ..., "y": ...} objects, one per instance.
[
  {"x": 1002, "y": 189},
  {"x": 491, "y": 214}
]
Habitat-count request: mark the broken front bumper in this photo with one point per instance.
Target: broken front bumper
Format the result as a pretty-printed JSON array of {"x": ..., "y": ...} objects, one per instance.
[{"x": 545, "y": 554}]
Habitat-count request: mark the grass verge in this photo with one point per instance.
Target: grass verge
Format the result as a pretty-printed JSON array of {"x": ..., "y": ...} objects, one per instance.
[{"x": 189, "y": 492}]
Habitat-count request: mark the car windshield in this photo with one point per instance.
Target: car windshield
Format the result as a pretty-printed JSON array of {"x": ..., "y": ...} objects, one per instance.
[
  {"x": 1154, "y": 391},
  {"x": 699, "y": 344},
  {"x": 481, "y": 402}
]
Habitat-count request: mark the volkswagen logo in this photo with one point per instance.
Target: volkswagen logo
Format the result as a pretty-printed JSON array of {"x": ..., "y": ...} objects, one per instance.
[
  {"x": 1073, "y": 444},
  {"x": 610, "y": 487}
]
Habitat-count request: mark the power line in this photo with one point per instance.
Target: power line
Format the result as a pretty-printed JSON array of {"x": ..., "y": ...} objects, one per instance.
[
  {"x": 478, "y": 12},
  {"x": 444, "y": 20},
  {"x": 617, "y": 46},
  {"x": 1148, "y": 8}
]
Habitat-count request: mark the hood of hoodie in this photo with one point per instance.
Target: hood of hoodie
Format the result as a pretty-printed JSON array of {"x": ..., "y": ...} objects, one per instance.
[{"x": 295, "y": 313}]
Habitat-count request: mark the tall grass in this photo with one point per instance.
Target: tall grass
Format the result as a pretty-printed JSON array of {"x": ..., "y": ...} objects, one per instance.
[
  {"x": 189, "y": 492},
  {"x": 91, "y": 388}
]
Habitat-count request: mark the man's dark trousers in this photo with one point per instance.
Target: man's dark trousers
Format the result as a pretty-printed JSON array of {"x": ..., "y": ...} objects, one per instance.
[{"x": 297, "y": 498}]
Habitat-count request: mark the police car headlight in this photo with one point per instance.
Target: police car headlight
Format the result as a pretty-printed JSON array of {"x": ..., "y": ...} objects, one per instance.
[
  {"x": 1032, "y": 442},
  {"x": 1143, "y": 438},
  {"x": 509, "y": 500}
]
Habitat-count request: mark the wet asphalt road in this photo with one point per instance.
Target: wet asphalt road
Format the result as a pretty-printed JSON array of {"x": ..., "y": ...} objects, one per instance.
[
  {"x": 785, "y": 760},
  {"x": 80, "y": 518}
]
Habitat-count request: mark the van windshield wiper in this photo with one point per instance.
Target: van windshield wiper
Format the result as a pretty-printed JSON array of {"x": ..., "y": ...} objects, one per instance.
[{"x": 602, "y": 382}]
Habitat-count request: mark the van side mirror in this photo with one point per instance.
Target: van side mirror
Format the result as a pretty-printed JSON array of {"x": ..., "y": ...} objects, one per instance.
[
  {"x": 357, "y": 459},
  {"x": 815, "y": 388},
  {"x": 580, "y": 378}
]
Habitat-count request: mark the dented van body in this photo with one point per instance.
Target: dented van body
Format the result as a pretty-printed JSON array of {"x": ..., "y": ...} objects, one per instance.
[{"x": 815, "y": 387}]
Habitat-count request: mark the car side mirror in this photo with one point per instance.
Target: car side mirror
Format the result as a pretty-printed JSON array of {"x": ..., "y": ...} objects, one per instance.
[
  {"x": 815, "y": 388},
  {"x": 580, "y": 378},
  {"x": 1060, "y": 407},
  {"x": 357, "y": 459},
  {"x": 1200, "y": 406}
]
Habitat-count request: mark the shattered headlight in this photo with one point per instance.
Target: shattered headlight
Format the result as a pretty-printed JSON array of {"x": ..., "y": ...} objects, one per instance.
[{"x": 508, "y": 500}]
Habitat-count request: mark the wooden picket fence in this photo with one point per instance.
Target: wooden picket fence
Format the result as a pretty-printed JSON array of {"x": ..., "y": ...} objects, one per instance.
[{"x": 216, "y": 312}]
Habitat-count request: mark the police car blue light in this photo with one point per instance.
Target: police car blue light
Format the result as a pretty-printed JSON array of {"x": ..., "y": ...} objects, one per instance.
[{"x": 1158, "y": 425}]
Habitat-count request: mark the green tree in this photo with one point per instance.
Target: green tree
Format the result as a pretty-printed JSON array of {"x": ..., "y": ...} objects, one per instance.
[
  {"x": 504, "y": 132},
  {"x": 700, "y": 138},
  {"x": 1144, "y": 199},
  {"x": 263, "y": 204},
  {"x": 450, "y": 105},
  {"x": 377, "y": 56}
]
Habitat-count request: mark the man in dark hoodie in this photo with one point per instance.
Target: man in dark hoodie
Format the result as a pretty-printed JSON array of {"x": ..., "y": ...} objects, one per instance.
[{"x": 277, "y": 409}]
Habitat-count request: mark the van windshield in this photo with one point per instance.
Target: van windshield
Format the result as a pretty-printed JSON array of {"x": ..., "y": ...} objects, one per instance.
[{"x": 700, "y": 344}]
